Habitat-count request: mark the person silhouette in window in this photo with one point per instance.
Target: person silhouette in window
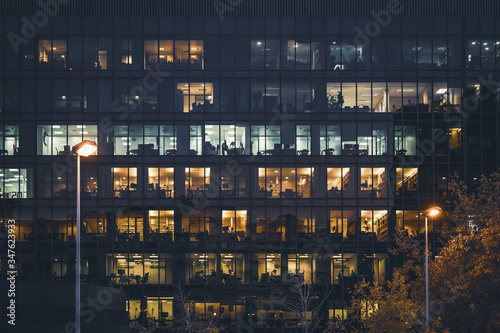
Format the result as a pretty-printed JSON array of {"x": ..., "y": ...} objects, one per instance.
[{"x": 224, "y": 148}]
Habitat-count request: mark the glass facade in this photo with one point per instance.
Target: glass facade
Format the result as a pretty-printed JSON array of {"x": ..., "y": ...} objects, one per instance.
[{"x": 236, "y": 156}]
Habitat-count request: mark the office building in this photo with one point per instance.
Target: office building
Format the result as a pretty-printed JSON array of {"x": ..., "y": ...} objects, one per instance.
[{"x": 242, "y": 145}]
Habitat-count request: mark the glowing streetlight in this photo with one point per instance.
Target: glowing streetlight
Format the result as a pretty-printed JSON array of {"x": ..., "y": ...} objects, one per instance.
[
  {"x": 84, "y": 148},
  {"x": 433, "y": 211}
]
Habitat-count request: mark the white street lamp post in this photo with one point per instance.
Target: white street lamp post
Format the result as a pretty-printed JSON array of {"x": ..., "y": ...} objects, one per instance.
[
  {"x": 429, "y": 212},
  {"x": 84, "y": 148}
]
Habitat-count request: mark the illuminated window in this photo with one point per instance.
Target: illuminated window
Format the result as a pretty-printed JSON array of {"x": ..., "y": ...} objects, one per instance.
[
  {"x": 335, "y": 97},
  {"x": 368, "y": 308},
  {"x": 195, "y": 97},
  {"x": 330, "y": 140},
  {"x": 372, "y": 138},
  {"x": 16, "y": 183},
  {"x": 168, "y": 140},
  {"x": 304, "y": 181},
  {"x": 181, "y": 54},
  {"x": 161, "y": 225},
  {"x": 145, "y": 140},
  {"x": 225, "y": 140},
  {"x": 161, "y": 182},
  {"x": 202, "y": 268},
  {"x": 234, "y": 223},
  {"x": 446, "y": 98},
  {"x": 303, "y": 140},
  {"x": 127, "y": 59},
  {"x": 126, "y": 52},
  {"x": 195, "y": 140},
  {"x": 338, "y": 180},
  {"x": 343, "y": 55},
  {"x": 405, "y": 141},
  {"x": 166, "y": 54},
  {"x": 151, "y": 54},
  {"x": 343, "y": 222},
  {"x": 285, "y": 182},
  {"x": 355, "y": 97},
  {"x": 102, "y": 60},
  {"x": 130, "y": 226},
  {"x": 344, "y": 268},
  {"x": 339, "y": 312},
  {"x": 155, "y": 308},
  {"x": 373, "y": 267},
  {"x": 232, "y": 268},
  {"x": 123, "y": 143},
  {"x": 196, "y": 54},
  {"x": 269, "y": 267},
  {"x": 373, "y": 182},
  {"x": 138, "y": 268},
  {"x": 455, "y": 135},
  {"x": 367, "y": 99},
  {"x": 206, "y": 310},
  {"x": 302, "y": 267},
  {"x": 266, "y": 140},
  {"x": 406, "y": 180},
  {"x": 24, "y": 223},
  {"x": 408, "y": 221},
  {"x": 407, "y": 97},
  {"x": 403, "y": 97},
  {"x": 159, "y": 54},
  {"x": 124, "y": 181},
  {"x": 376, "y": 222},
  {"x": 60, "y": 139},
  {"x": 197, "y": 180},
  {"x": 9, "y": 140},
  {"x": 95, "y": 224},
  {"x": 52, "y": 52}
]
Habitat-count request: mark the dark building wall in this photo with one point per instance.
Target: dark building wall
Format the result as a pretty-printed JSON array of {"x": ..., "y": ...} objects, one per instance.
[
  {"x": 48, "y": 307},
  {"x": 259, "y": 7}
]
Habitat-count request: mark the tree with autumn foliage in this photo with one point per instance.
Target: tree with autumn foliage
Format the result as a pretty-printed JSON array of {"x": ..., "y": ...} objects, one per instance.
[
  {"x": 384, "y": 308},
  {"x": 464, "y": 275}
]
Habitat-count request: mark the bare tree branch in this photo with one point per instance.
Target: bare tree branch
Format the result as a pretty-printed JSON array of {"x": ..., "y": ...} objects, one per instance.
[
  {"x": 186, "y": 320},
  {"x": 305, "y": 301}
]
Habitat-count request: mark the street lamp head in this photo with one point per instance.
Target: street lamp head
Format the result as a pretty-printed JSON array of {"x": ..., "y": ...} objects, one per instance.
[
  {"x": 433, "y": 211},
  {"x": 85, "y": 148}
]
